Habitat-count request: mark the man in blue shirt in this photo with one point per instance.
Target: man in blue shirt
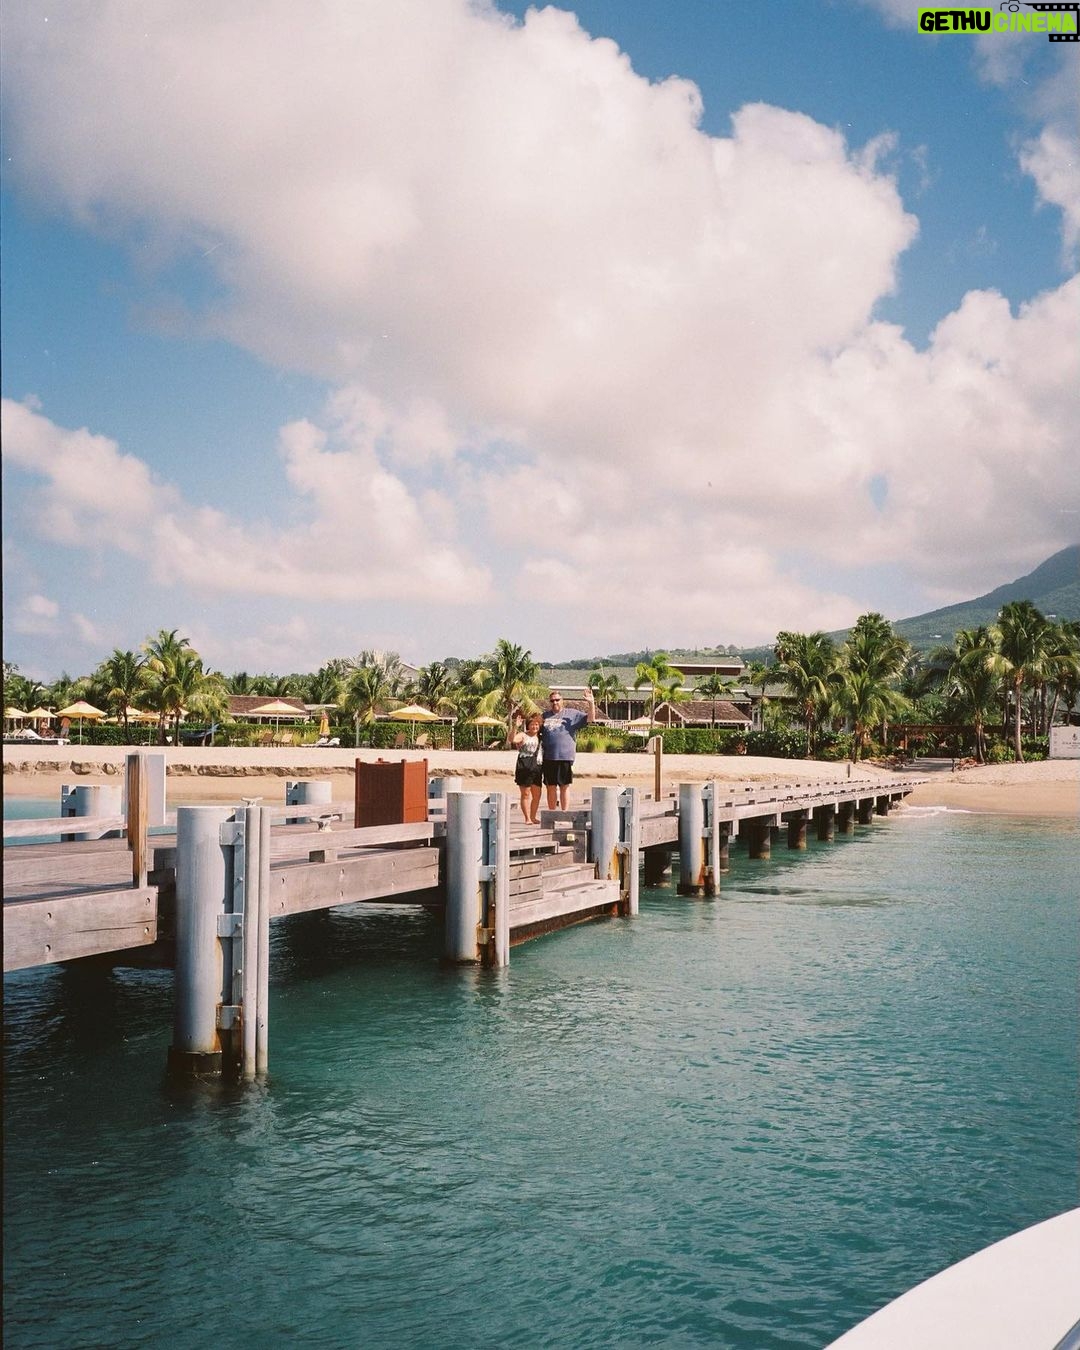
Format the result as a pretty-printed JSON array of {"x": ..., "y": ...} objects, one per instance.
[{"x": 561, "y": 726}]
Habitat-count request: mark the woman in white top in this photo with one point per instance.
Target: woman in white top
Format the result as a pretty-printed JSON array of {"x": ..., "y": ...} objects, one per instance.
[{"x": 527, "y": 771}]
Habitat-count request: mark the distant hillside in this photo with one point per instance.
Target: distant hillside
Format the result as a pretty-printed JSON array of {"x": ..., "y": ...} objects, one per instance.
[{"x": 1053, "y": 587}]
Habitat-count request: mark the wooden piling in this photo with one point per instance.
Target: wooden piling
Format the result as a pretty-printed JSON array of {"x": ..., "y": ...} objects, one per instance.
[
  {"x": 865, "y": 812},
  {"x": 825, "y": 821},
  {"x": 759, "y": 836},
  {"x": 845, "y": 817},
  {"x": 657, "y": 864},
  {"x": 136, "y": 794},
  {"x": 796, "y": 831}
]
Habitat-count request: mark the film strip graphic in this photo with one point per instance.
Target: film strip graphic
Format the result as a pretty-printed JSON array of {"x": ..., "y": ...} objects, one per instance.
[{"x": 1073, "y": 8}]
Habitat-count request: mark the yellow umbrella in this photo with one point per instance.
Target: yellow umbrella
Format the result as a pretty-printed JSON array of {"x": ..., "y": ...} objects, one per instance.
[
  {"x": 141, "y": 715},
  {"x": 487, "y": 722},
  {"x": 277, "y": 710},
  {"x": 15, "y": 715},
  {"x": 412, "y": 712},
  {"x": 81, "y": 712},
  {"x": 81, "y": 709},
  {"x": 41, "y": 715}
]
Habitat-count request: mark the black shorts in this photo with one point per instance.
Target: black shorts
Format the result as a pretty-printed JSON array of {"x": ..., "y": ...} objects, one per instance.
[
  {"x": 527, "y": 775},
  {"x": 558, "y": 772}
]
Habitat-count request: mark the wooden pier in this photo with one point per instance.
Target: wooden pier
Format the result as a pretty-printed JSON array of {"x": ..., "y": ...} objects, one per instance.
[{"x": 200, "y": 894}]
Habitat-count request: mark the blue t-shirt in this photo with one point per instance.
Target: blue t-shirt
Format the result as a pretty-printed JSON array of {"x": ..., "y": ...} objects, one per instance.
[{"x": 558, "y": 733}]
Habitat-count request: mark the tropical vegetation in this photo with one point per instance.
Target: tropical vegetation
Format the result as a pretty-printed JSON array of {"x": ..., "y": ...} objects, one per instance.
[{"x": 993, "y": 691}]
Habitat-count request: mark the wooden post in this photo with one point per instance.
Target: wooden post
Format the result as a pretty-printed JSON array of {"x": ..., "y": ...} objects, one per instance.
[
  {"x": 759, "y": 836},
  {"x": 796, "y": 831},
  {"x": 657, "y": 862},
  {"x": 656, "y": 745},
  {"x": 866, "y": 810},
  {"x": 691, "y": 840},
  {"x": 845, "y": 817},
  {"x": 881, "y": 805},
  {"x": 629, "y": 843},
  {"x": 202, "y": 875},
  {"x": 136, "y": 801},
  {"x": 825, "y": 820},
  {"x": 464, "y": 860}
]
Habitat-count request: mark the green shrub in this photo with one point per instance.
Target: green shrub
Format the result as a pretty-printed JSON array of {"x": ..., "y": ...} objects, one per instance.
[{"x": 783, "y": 743}]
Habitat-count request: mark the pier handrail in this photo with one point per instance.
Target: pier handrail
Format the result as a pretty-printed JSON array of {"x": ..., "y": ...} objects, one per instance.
[{"x": 28, "y": 829}]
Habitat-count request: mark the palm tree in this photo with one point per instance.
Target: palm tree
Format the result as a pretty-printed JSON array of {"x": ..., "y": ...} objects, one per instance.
[
  {"x": 122, "y": 678},
  {"x": 20, "y": 691},
  {"x": 874, "y": 650},
  {"x": 604, "y": 687},
  {"x": 968, "y": 674},
  {"x": 660, "y": 677},
  {"x": 66, "y": 689},
  {"x": 1063, "y": 664},
  {"x": 369, "y": 688},
  {"x": 434, "y": 687},
  {"x": 327, "y": 685},
  {"x": 1022, "y": 639},
  {"x": 178, "y": 683},
  {"x": 867, "y": 700},
  {"x": 809, "y": 665},
  {"x": 474, "y": 692},
  {"x": 514, "y": 672},
  {"x": 714, "y": 687}
]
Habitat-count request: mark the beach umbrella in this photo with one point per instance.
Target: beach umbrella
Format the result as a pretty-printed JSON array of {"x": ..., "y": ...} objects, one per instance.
[
  {"x": 40, "y": 715},
  {"x": 413, "y": 712},
  {"x": 486, "y": 721},
  {"x": 81, "y": 712},
  {"x": 277, "y": 710},
  {"x": 640, "y": 725},
  {"x": 15, "y": 714}
]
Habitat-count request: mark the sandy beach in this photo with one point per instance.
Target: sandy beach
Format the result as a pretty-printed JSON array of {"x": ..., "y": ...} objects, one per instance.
[{"x": 211, "y": 774}]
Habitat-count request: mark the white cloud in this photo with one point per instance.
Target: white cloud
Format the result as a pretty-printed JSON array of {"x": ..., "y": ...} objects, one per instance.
[
  {"x": 36, "y": 614},
  {"x": 363, "y": 534},
  {"x": 1053, "y": 160}
]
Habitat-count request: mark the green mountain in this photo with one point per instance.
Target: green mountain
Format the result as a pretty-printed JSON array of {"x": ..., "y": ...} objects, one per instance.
[{"x": 1053, "y": 587}]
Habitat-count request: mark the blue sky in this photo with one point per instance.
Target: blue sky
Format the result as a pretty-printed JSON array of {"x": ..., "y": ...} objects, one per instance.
[{"x": 413, "y": 327}]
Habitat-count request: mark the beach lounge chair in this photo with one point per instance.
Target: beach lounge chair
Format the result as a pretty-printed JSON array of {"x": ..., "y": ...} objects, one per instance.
[
  {"x": 423, "y": 741},
  {"x": 400, "y": 741}
]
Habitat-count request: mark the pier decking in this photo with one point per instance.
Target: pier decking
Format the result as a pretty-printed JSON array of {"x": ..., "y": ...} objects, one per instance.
[{"x": 202, "y": 892}]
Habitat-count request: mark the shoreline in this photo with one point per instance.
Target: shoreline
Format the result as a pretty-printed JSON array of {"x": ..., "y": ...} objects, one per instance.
[{"x": 224, "y": 775}]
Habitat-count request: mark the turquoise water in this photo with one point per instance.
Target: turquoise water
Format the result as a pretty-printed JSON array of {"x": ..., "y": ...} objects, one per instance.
[{"x": 745, "y": 1122}]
